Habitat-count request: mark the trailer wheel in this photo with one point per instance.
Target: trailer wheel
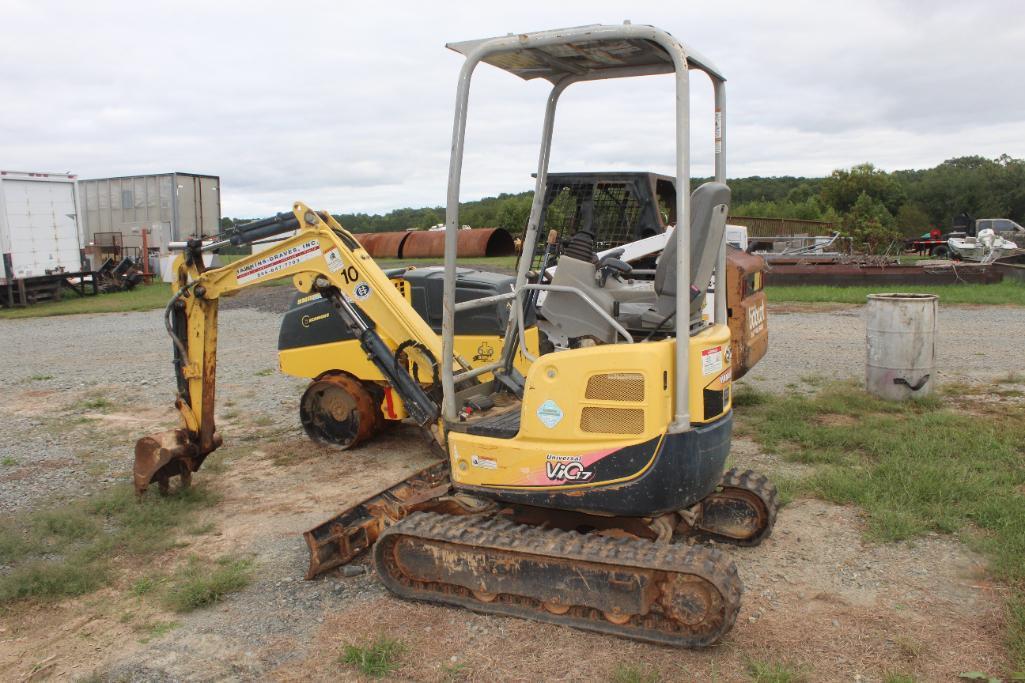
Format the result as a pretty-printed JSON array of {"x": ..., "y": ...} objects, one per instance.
[
  {"x": 941, "y": 251},
  {"x": 336, "y": 410}
]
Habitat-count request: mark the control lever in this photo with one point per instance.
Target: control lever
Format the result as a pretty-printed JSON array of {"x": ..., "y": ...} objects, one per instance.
[{"x": 611, "y": 264}]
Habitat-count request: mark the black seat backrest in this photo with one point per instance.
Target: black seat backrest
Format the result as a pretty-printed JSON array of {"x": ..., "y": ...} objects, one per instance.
[{"x": 709, "y": 205}]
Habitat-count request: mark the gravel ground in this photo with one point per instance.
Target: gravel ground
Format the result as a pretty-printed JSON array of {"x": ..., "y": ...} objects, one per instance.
[
  {"x": 52, "y": 370},
  {"x": 812, "y": 590},
  {"x": 974, "y": 343}
]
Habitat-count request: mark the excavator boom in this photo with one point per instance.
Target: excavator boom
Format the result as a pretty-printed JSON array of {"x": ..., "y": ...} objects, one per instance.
[{"x": 321, "y": 257}]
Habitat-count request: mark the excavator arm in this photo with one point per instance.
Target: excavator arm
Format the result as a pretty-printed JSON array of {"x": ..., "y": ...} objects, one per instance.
[{"x": 321, "y": 257}]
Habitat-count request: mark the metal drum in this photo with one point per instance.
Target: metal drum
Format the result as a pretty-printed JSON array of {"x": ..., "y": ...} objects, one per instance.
[{"x": 901, "y": 336}]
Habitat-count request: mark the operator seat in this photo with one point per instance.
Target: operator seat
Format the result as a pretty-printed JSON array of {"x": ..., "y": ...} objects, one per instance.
[
  {"x": 709, "y": 206},
  {"x": 636, "y": 306}
]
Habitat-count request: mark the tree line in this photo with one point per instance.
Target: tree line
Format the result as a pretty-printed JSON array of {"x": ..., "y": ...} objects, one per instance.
[{"x": 873, "y": 206}]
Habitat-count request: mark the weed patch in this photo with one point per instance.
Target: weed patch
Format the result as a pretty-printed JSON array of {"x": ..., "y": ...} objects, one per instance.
[
  {"x": 773, "y": 672},
  {"x": 199, "y": 583},
  {"x": 68, "y": 549},
  {"x": 632, "y": 673},
  {"x": 157, "y": 629},
  {"x": 377, "y": 659},
  {"x": 913, "y": 467},
  {"x": 95, "y": 403}
]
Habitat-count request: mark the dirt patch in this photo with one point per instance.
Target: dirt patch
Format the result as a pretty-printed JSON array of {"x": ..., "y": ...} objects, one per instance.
[{"x": 816, "y": 596}]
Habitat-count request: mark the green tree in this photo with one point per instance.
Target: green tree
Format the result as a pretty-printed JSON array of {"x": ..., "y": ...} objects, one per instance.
[
  {"x": 913, "y": 220},
  {"x": 844, "y": 187},
  {"x": 870, "y": 225}
]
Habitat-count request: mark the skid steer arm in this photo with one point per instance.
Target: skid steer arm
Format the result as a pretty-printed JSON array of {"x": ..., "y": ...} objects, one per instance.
[{"x": 322, "y": 258}]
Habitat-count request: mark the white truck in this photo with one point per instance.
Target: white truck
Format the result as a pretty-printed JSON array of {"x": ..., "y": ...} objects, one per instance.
[{"x": 40, "y": 239}]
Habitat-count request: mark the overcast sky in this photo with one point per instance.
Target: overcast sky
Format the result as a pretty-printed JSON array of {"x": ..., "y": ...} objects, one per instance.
[{"x": 348, "y": 106}]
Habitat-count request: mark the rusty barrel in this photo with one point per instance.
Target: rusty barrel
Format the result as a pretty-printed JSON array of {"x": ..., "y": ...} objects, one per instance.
[
  {"x": 475, "y": 243},
  {"x": 901, "y": 345}
]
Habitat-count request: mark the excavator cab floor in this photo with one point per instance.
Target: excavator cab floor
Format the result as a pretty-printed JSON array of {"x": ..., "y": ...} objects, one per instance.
[{"x": 505, "y": 425}]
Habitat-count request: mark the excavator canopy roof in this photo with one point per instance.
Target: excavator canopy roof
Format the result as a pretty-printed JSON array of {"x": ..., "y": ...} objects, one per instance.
[{"x": 600, "y": 53}]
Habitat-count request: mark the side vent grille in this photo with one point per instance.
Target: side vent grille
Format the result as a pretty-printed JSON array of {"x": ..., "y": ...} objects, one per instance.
[
  {"x": 619, "y": 386},
  {"x": 612, "y": 420},
  {"x": 403, "y": 288}
]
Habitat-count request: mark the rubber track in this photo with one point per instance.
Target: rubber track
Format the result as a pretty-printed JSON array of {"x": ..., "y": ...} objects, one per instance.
[
  {"x": 758, "y": 484},
  {"x": 501, "y": 534}
]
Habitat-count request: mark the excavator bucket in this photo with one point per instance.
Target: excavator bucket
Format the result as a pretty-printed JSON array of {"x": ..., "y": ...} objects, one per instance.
[{"x": 163, "y": 455}]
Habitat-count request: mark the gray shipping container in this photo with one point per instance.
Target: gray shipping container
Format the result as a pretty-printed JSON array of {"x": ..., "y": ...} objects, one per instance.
[{"x": 173, "y": 206}]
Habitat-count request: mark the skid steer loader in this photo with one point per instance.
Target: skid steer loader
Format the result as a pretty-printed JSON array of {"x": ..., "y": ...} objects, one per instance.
[{"x": 574, "y": 494}]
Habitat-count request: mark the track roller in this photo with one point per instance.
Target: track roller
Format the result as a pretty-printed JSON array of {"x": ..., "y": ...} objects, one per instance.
[{"x": 337, "y": 410}]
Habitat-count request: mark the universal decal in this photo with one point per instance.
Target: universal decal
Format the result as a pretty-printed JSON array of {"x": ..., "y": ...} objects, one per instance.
[{"x": 594, "y": 467}]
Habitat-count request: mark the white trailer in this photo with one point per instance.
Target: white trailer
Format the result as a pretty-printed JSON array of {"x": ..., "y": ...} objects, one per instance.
[{"x": 40, "y": 239}]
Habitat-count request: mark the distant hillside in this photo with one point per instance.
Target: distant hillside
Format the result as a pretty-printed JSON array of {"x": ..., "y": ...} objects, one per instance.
[{"x": 872, "y": 206}]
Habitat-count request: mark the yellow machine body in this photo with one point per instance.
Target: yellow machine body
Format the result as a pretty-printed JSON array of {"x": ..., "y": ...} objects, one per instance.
[{"x": 582, "y": 405}]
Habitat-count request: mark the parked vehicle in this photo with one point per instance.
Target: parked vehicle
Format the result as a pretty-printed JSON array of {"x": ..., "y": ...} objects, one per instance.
[{"x": 985, "y": 248}]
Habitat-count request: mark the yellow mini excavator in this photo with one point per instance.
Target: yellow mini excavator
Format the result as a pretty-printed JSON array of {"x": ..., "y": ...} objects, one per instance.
[{"x": 577, "y": 493}]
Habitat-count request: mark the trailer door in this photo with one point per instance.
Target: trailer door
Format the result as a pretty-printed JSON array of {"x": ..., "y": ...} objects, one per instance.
[{"x": 42, "y": 226}]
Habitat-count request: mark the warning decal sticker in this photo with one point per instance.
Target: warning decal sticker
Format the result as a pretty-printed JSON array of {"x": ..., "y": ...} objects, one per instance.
[
  {"x": 711, "y": 360},
  {"x": 277, "y": 262},
  {"x": 334, "y": 260}
]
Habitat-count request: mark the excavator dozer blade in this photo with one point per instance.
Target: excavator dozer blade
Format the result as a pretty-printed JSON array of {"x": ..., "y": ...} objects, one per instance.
[
  {"x": 163, "y": 455},
  {"x": 350, "y": 533}
]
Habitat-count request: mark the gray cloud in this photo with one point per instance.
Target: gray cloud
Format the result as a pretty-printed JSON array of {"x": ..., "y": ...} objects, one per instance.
[{"x": 348, "y": 106}]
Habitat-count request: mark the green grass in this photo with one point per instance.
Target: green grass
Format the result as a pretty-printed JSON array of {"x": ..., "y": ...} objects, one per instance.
[
  {"x": 378, "y": 659},
  {"x": 201, "y": 583},
  {"x": 67, "y": 549},
  {"x": 95, "y": 403},
  {"x": 8, "y": 461},
  {"x": 157, "y": 629},
  {"x": 1003, "y": 293},
  {"x": 142, "y": 298},
  {"x": 632, "y": 673},
  {"x": 1016, "y": 629},
  {"x": 143, "y": 586},
  {"x": 773, "y": 672},
  {"x": 913, "y": 467}
]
